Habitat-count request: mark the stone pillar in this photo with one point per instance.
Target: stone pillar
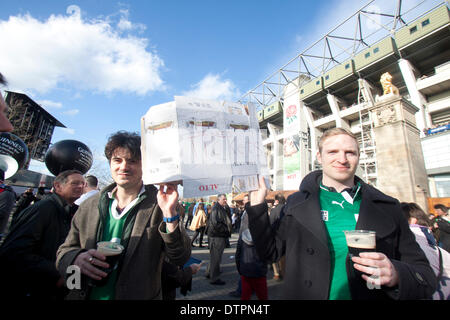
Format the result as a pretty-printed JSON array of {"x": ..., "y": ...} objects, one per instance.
[
  {"x": 400, "y": 163},
  {"x": 408, "y": 73}
]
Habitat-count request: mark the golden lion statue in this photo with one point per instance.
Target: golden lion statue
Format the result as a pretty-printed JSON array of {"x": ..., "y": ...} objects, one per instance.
[{"x": 386, "y": 83}]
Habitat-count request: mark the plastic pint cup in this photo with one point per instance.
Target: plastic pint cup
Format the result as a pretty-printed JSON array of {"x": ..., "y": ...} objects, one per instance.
[
  {"x": 363, "y": 241},
  {"x": 112, "y": 252},
  {"x": 360, "y": 241}
]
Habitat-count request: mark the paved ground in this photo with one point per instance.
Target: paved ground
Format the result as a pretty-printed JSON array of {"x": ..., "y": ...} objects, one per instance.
[{"x": 203, "y": 290}]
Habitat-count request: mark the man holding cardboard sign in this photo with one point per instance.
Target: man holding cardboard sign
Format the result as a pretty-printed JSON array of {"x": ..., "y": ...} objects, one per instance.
[{"x": 139, "y": 220}]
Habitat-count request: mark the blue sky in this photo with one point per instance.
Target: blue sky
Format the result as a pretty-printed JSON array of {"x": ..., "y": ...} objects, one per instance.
[{"x": 98, "y": 66}]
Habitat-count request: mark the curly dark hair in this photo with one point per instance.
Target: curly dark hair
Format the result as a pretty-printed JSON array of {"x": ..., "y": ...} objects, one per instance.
[{"x": 124, "y": 139}]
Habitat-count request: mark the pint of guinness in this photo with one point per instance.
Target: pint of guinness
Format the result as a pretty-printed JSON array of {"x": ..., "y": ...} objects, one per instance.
[
  {"x": 360, "y": 241},
  {"x": 363, "y": 241},
  {"x": 112, "y": 252}
]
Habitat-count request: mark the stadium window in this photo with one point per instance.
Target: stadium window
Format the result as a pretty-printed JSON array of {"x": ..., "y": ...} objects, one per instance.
[
  {"x": 367, "y": 55},
  {"x": 376, "y": 50},
  {"x": 301, "y": 91},
  {"x": 347, "y": 66},
  {"x": 327, "y": 77},
  {"x": 317, "y": 82},
  {"x": 425, "y": 22},
  {"x": 412, "y": 30}
]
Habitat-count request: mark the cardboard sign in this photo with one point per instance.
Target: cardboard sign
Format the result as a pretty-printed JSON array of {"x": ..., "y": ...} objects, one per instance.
[{"x": 211, "y": 146}]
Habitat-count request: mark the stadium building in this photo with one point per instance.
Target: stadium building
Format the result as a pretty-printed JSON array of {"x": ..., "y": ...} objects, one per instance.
[
  {"x": 402, "y": 123},
  {"x": 35, "y": 126}
]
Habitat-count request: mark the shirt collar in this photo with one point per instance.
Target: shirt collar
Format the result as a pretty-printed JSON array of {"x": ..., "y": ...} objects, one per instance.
[
  {"x": 115, "y": 213},
  {"x": 112, "y": 193},
  {"x": 351, "y": 191}
]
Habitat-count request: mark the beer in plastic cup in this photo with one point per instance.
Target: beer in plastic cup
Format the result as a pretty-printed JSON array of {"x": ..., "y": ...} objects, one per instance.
[
  {"x": 360, "y": 241},
  {"x": 112, "y": 251}
]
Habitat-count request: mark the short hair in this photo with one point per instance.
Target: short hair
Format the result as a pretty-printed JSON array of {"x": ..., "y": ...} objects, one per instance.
[
  {"x": 412, "y": 210},
  {"x": 221, "y": 195},
  {"x": 281, "y": 199},
  {"x": 124, "y": 139},
  {"x": 62, "y": 177},
  {"x": 334, "y": 132},
  {"x": 91, "y": 181},
  {"x": 441, "y": 206},
  {"x": 3, "y": 80}
]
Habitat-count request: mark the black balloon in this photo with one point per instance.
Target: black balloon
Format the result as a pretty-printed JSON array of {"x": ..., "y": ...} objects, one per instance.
[
  {"x": 68, "y": 155},
  {"x": 13, "y": 153}
]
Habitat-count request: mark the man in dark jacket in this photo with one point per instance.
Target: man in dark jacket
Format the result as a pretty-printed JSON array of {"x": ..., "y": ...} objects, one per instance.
[
  {"x": 7, "y": 201},
  {"x": 443, "y": 223},
  {"x": 28, "y": 254},
  {"x": 219, "y": 229},
  {"x": 24, "y": 201},
  {"x": 310, "y": 233}
]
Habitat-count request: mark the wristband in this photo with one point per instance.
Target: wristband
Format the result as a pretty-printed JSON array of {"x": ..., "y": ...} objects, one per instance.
[{"x": 171, "y": 219}]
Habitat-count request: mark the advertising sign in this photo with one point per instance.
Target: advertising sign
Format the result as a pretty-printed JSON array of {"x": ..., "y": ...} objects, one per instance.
[
  {"x": 291, "y": 143},
  {"x": 211, "y": 147}
]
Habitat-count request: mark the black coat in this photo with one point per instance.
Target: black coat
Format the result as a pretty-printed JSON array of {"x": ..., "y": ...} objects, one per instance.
[
  {"x": 248, "y": 263},
  {"x": 173, "y": 277},
  {"x": 28, "y": 254},
  {"x": 219, "y": 222},
  {"x": 301, "y": 235},
  {"x": 444, "y": 233}
]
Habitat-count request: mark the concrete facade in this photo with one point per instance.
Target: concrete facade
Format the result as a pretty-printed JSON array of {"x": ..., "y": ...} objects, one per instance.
[
  {"x": 401, "y": 168},
  {"x": 405, "y": 140}
]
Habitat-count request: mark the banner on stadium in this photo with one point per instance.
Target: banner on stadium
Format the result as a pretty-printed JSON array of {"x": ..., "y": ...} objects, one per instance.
[{"x": 291, "y": 142}]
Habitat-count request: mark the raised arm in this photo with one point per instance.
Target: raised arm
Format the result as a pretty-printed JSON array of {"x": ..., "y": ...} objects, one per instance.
[{"x": 267, "y": 238}]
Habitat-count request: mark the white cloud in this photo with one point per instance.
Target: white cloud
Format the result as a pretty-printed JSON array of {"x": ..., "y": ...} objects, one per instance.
[
  {"x": 68, "y": 130},
  {"x": 48, "y": 104},
  {"x": 38, "y": 166},
  {"x": 124, "y": 24},
  {"x": 71, "y": 112},
  {"x": 213, "y": 87},
  {"x": 72, "y": 51}
]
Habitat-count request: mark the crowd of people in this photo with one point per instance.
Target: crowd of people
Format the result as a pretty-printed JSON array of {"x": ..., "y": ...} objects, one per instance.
[{"x": 129, "y": 240}]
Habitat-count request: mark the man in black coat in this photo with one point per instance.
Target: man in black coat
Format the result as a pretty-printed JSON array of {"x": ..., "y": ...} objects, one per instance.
[
  {"x": 28, "y": 254},
  {"x": 24, "y": 201},
  {"x": 218, "y": 230},
  {"x": 313, "y": 240},
  {"x": 7, "y": 201},
  {"x": 443, "y": 223}
]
